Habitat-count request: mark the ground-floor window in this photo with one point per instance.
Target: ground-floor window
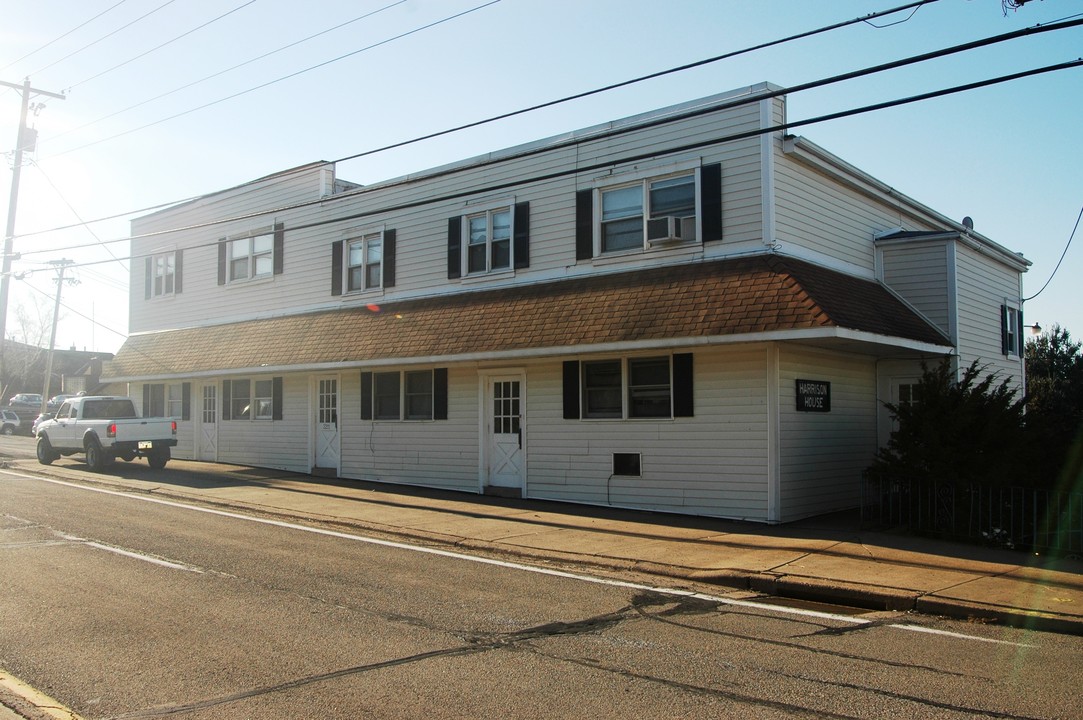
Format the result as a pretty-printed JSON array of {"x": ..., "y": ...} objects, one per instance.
[
  {"x": 404, "y": 395},
  {"x": 633, "y": 387}
]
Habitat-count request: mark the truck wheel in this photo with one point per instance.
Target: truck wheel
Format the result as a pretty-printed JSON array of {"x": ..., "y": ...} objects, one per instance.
[
  {"x": 45, "y": 451},
  {"x": 158, "y": 458},
  {"x": 96, "y": 457}
]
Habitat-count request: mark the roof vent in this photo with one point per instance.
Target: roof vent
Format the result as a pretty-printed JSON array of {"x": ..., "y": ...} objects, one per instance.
[{"x": 968, "y": 222}]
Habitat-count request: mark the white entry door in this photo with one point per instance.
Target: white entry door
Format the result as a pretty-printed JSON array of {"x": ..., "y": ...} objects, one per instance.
[
  {"x": 327, "y": 434},
  {"x": 207, "y": 433},
  {"x": 505, "y": 425}
]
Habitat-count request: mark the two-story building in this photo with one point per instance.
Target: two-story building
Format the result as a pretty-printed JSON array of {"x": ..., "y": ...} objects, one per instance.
[{"x": 687, "y": 311}]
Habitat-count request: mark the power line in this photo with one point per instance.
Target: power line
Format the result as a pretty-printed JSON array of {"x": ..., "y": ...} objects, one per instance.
[
  {"x": 495, "y": 118},
  {"x": 1068, "y": 245},
  {"x": 103, "y": 37},
  {"x": 281, "y": 79},
  {"x": 459, "y": 194},
  {"x": 69, "y": 32},
  {"x": 159, "y": 47},
  {"x": 227, "y": 70},
  {"x": 1061, "y": 25}
]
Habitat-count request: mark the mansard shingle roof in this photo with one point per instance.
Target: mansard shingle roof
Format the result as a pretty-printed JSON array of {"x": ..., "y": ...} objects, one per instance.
[{"x": 699, "y": 300}]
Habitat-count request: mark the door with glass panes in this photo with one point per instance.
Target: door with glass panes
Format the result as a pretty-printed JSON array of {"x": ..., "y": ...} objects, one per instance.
[
  {"x": 207, "y": 430},
  {"x": 326, "y": 420},
  {"x": 505, "y": 425}
]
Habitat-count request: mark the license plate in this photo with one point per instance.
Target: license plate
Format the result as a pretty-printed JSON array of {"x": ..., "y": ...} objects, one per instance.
[{"x": 145, "y": 444}]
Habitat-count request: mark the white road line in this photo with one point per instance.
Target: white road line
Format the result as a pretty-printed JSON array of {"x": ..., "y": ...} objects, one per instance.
[
  {"x": 132, "y": 554},
  {"x": 519, "y": 566}
]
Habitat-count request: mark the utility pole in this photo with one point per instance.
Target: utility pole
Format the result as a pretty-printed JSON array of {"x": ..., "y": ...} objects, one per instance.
[
  {"x": 23, "y": 140},
  {"x": 59, "y": 265}
]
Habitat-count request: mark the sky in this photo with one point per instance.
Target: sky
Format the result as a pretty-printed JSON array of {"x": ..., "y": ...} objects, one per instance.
[{"x": 170, "y": 99}]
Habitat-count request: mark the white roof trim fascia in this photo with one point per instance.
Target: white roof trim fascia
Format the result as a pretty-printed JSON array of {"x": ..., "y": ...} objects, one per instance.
[
  {"x": 814, "y": 155},
  {"x": 565, "y": 351}
]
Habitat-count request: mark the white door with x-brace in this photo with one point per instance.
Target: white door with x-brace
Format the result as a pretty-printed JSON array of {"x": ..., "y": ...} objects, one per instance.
[
  {"x": 327, "y": 431},
  {"x": 207, "y": 422},
  {"x": 505, "y": 423}
]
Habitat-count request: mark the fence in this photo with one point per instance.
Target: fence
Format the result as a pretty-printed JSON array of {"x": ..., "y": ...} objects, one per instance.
[{"x": 1015, "y": 517}]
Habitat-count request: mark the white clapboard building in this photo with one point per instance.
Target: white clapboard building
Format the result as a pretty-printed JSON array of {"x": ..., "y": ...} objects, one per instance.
[{"x": 686, "y": 311}]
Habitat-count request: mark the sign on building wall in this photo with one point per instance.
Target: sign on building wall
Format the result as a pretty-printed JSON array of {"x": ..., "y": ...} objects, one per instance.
[{"x": 813, "y": 396}]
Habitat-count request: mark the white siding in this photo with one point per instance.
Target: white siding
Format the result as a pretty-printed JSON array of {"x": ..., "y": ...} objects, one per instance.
[
  {"x": 823, "y": 454},
  {"x": 819, "y": 214},
  {"x": 712, "y": 464},
  {"x": 983, "y": 286},
  {"x": 919, "y": 274},
  {"x": 421, "y": 224}
]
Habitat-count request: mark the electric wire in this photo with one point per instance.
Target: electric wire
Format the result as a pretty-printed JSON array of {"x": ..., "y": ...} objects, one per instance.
[
  {"x": 580, "y": 169},
  {"x": 283, "y": 78},
  {"x": 159, "y": 47},
  {"x": 225, "y": 71},
  {"x": 495, "y": 118},
  {"x": 923, "y": 57},
  {"x": 1065, "y": 252},
  {"x": 103, "y": 37},
  {"x": 61, "y": 37}
]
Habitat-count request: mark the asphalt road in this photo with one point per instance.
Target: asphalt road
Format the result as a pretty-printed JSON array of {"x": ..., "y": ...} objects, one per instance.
[{"x": 122, "y": 606}]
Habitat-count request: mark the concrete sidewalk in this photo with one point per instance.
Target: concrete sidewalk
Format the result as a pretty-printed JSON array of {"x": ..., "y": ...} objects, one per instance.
[{"x": 827, "y": 559}]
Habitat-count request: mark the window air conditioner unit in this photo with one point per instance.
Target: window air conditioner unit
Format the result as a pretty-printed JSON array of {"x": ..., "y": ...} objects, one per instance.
[{"x": 671, "y": 229}]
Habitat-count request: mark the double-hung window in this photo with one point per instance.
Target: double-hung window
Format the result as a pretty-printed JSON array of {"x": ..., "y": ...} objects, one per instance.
[
  {"x": 634, "y": 387},
  {"x": 404, "y": 395},
  {"x": 1011, "y": 330},
  {"x": 365, "y": 262},
  {"x": 677, "y": 206},
  {"x": 251, "y": 257},
  {"x": 164, "y": 274},
  {"x": 252, "y": 399},
  {"x": 649, "y": 210},
  {"x": 488, "y": 246},
  {"x": 174, "y": 401}
]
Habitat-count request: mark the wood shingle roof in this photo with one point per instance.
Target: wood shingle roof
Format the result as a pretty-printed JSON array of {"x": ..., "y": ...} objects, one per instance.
[{"x": 709, "y": 299}]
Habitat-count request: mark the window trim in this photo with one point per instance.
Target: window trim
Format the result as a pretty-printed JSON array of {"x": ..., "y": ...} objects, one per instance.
[
  {"x": 365, "y": 238},
  {"x": 1012, "y": 341},
  {"x": 227, "y": 398},
  {"x": 644, "y": 179},
  {"x": 226, "y": 258},
  {"x": 680, "y": 387},
  {"x": 437, "y": 394},
  {"x": 488, "y": 211}
]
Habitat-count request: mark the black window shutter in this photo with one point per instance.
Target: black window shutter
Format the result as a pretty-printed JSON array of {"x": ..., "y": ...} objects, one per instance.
[
  {"x": 682, "y": 385},
  {"x": 710, "y": 201},
  {"x": 276, "y": 398},
  {"x": 521, "y": 233},
  {"x": 227, "y": 399},
  {"x": 1004, "y": 329},
  {"x": 178, "y": 266},
  {"x": 146, "y": 400},
  {"x": 186, "y": 401},
  {"x": 1019, "y": 332},
  {"x": 571, "y": 389},
  {"x": 439, "y": 394},
  {"x": 279, "y": 244},
  {"x": 222, "y": 261},
  {"x": 584, "y": 225},
  {"x": 454, "y": 247},
  {"x": 389, "y": 258},
  {"x": 336, "y": 267},
  {"x": 366, "y": 396},
  {"x": 149, "y": 283}
]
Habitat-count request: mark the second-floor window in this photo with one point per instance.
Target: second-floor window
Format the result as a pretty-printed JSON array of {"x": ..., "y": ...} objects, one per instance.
[
  {"x": 677, "y": 208},
  {"x": 251, "y": 256},
  {"x": 488, "y": 243},
  {"x": 365, "y": 262},
  {"x": 163, "y": 274}
]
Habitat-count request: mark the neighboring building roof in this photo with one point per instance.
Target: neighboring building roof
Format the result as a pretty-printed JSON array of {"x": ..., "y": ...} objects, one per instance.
[{"x": 760, "y": 294}]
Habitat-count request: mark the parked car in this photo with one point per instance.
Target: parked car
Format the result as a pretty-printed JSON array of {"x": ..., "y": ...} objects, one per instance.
[
  {"x": 42, "y": 417},
  {"x": 105, "y": 428},
  {"x": 11, "y": 422},
  {"x": 24, "y": 400},
  {"x": 57, "y": 400}
]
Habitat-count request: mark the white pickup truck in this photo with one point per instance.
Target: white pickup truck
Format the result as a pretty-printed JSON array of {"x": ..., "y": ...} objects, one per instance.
[{"x": 105, "y": 428}]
